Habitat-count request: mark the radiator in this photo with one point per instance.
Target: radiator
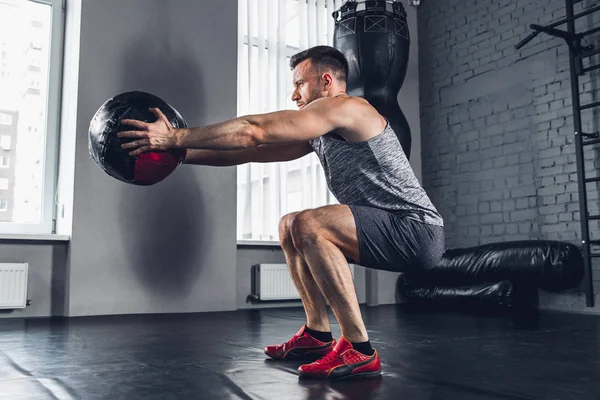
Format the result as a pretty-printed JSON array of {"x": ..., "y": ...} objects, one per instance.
[
  {"x": 13, "y": 285},
  {"x": 273, "y": 282}
]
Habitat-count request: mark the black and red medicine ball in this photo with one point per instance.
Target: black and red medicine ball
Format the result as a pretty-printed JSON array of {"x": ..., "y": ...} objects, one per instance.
[{"x": 105, "y": 147}]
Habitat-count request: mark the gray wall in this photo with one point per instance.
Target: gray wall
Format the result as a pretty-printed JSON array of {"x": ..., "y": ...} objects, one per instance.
[
  {"x": 498, "y": 152},
  {"x": 46, "y": 279},
  {"x": 165, "y": 248}
]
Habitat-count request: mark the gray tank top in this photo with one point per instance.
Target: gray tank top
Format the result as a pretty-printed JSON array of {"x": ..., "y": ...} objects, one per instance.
[{"x": 374, "y": 173}]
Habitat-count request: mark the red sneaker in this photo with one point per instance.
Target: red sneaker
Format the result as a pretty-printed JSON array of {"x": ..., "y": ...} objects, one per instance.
[
  {"x": 343, "y": 362},
  {"x": 301, "y": 346}
]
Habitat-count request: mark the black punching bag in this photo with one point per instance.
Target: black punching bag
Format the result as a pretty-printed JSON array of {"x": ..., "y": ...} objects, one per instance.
[{"x": 373, "y": 35}]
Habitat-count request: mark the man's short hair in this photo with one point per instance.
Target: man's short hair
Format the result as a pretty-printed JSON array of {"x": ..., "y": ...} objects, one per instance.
[{"x": 325, "y": 58}]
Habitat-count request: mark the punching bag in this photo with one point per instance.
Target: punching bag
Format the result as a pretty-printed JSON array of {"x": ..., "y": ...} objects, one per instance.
[
  {"x": 550, "y": 265},
  {"x": 373, "y": 35}
]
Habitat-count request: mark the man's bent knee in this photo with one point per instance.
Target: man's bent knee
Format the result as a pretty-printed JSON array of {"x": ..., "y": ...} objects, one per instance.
[
  {"x": 285, "y": 226},
  {"x": 303, "y": 229}
]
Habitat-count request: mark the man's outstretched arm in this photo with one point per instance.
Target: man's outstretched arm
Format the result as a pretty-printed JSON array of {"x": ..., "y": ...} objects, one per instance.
[
  {"x": 258, "y": 154},
  {"x": 316, "y": 119}
]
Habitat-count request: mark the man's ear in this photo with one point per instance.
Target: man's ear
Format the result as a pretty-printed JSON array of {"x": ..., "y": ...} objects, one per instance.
[{"x": 327, "y": 81}]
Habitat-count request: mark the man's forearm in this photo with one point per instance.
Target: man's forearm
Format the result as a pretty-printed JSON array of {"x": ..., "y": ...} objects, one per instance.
[
  {"x": 234, "y": 134},
  {"x": 215, "y": 158}
]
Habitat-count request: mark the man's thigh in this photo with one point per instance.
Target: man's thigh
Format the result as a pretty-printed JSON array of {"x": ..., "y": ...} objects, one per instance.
[{"x": 336, "y": 224}]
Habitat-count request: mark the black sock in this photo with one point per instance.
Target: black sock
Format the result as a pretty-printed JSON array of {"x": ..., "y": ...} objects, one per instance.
[
  {"x": 364, "y": 347},
  {"x": 322, "y": 336}
]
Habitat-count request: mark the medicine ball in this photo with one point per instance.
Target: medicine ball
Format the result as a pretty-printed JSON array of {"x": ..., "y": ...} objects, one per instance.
[{"x": 105, "y": 147}]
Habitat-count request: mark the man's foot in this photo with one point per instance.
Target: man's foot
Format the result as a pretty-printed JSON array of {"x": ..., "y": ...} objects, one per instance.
[
  {"x": 301, "y": 346},
  {"x": 343, "y": 362}
]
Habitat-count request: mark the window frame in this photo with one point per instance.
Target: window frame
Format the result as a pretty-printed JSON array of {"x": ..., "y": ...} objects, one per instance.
[{"x": 52, "y": 122}]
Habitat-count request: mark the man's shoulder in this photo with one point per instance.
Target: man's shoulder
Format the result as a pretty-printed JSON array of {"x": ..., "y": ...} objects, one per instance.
[
  {"x": 352, "y": 101},
  {"x": 359, "y": 113},
  {"x": 353, "y": 116},
  {"x": 351, "y": 106},
  {"x": 359, "y": 106}
]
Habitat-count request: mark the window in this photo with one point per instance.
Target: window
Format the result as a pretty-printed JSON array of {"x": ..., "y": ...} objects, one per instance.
[
  {"x": 270, "y": 32},
  {"x": 4, "y": 161},
  {"x": 35, "y": 62},
  {"x": 30, "y": 33},
  {"x": 36, "y": 44},
  {"x": 5, "y": 142},
  {"x": 6, "y": 119}
]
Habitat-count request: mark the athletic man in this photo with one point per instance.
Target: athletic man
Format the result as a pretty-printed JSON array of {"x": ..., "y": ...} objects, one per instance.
[{"x": 385, "y": 219}]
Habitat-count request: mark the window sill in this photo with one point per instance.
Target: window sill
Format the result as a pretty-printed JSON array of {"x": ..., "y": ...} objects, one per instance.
[
  {"x": 34, "y": 237},
  {"x": 257, "y": 243}
]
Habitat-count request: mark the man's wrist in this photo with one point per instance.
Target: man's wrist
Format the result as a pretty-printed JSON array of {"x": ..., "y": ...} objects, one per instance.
[{"x": 180, "y": 137}]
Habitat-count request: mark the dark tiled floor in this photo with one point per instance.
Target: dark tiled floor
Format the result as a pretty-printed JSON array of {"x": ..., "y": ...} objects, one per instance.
[{"x": 220, "y": 356}]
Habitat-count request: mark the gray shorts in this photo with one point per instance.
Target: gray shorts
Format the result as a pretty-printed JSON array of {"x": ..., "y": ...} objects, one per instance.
[{"x": 396, "y": 242}]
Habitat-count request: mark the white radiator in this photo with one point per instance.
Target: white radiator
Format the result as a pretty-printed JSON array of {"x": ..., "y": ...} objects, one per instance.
[
  {"x": 13, "y": 285},
  {"x": 273, "y": 282}
]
